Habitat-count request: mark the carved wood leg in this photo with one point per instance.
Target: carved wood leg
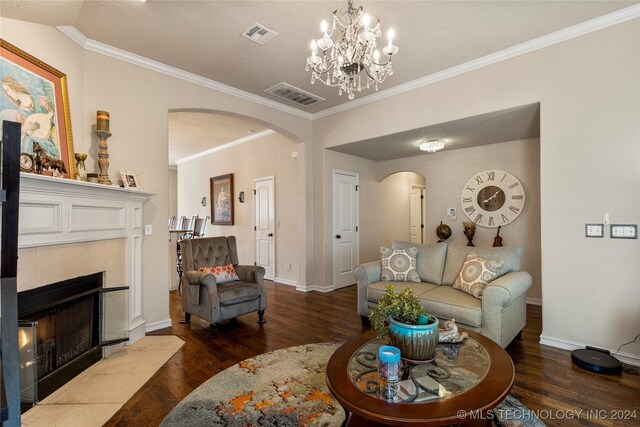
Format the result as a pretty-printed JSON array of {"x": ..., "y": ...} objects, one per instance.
[
  {"x": 366, "y": 323},
  {"x": 261, "y": 317},
  {"x": 187, "y": 318}
]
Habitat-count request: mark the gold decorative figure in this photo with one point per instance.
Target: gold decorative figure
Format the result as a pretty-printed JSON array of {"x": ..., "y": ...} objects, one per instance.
[
  {"x": 470, "y": 231},
  {"x": 497, "y": 242}
]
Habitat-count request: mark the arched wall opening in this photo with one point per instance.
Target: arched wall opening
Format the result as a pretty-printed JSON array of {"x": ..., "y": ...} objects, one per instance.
[{"x": 274, "y": 154}]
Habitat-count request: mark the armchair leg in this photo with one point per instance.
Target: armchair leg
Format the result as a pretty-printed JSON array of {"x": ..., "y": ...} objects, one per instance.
[
  {"x": 366, "y": 323},
  {"x": 214, "y": 329},
  {"x": 261, "y": 317},
  {"x": 187, "y": 318}
]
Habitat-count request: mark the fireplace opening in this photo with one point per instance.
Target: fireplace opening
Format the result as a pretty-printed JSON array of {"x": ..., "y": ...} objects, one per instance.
[{"x": 62, "y": 330}]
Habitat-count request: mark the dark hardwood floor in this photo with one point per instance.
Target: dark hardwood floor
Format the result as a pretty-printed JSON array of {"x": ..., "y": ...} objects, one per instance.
[{"x": 545, "y": 380}]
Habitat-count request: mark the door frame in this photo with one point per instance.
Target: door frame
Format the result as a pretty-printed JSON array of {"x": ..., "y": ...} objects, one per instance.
[
  {"x": 271, "y": 178},
  {"x": 423, "y": 206},
  {"x": 334, "y": 253}
]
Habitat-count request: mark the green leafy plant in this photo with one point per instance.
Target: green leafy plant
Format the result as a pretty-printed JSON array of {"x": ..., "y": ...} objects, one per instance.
[{"x": 404, "y": 307}]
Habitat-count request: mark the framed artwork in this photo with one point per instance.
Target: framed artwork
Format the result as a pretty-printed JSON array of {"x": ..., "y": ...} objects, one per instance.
[
  {"x": 130, "y": 180},
  {"x": 222, "y": 199},
  {"x": 35, "y": 95}
]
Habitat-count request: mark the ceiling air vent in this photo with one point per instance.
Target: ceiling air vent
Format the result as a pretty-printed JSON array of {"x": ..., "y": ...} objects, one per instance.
[
  {"x": 294, "y": 94},
  {"x": 258, "y": 33}
]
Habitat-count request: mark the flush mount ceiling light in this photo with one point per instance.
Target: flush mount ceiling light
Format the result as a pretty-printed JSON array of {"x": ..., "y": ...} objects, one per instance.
[
  {"x": 348, "y": 52},
  {"x": 432, "y": 145}
]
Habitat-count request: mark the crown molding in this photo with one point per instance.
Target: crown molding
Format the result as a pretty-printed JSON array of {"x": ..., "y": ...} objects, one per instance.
[
  {"x": 596, "y": 24},
  {"x": 599, "y": 23},
  {"x": 227, "y": 145},
  {"x": 122, "y": 55}
]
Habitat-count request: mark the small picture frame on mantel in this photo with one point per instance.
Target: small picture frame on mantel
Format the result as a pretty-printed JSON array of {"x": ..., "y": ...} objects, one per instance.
[{"x": 130, "y": 179}]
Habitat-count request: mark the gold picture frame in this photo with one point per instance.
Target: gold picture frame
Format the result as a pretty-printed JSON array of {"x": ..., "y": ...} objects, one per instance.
[
  {"x": 35, "y": 94},
  {"x": 222, "y": 199}
]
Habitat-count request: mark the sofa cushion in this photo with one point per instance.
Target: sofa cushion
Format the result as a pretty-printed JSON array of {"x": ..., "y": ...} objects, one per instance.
[
  {"x": 456, "y": 256},
  {"x": 430, "y": 259},
  {"x": 476, "y": 274},
  {"x": 222, "y": 273},
  {"x": 399, "y": 265},
  {"x": 448, "y": 303},
  {"x": 376, "y": 290}
]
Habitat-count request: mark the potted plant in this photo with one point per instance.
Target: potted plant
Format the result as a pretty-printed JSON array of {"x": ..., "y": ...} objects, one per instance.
[{"x": 404, "y": 320}]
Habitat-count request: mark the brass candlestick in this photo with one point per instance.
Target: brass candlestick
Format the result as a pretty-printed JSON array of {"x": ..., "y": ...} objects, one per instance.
[{"x": 103, "y": 157}]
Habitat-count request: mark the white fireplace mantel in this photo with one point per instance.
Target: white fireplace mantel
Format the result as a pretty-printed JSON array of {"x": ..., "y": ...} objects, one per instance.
[{"x": 55, "y": 211}]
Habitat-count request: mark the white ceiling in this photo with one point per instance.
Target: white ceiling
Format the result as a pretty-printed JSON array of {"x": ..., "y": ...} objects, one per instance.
[{"x": 203, "y": 37}]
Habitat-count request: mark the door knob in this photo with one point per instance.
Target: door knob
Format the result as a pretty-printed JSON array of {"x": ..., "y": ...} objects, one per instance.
[
  {"x": 270, "y": 234},
  {"x": 338, "y": 236}
]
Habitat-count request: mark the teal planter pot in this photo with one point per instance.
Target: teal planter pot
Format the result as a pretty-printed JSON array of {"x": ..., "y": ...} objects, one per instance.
[{"x": 416, "y": 342}]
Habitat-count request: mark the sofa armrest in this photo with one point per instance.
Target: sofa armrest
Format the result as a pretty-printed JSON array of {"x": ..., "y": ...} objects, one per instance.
[
  {"x": 365, "y": 275},
  {"x": 506, "y": 289}
]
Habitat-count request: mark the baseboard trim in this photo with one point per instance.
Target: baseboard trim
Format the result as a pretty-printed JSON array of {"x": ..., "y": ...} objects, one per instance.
[
  {"x": 161, "y": 324},
  {"x": 631, "y": 359},
  {"x": 534, "y": 301}
]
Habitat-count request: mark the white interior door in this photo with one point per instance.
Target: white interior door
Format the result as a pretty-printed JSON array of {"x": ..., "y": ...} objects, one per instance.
[
  {"x": 345, "y": 227},
  {"x": 417, "y": 205},
  {"x": 265, "y": 220}
]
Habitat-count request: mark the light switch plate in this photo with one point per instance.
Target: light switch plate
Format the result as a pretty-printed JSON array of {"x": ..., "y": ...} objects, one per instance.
[
  {"x": 594, "y": 230},
  {"x": 624, "y": 231}
]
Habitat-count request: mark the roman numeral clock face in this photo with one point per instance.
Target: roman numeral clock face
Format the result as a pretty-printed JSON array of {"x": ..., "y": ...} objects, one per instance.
[{"x": 492, "y": 198}]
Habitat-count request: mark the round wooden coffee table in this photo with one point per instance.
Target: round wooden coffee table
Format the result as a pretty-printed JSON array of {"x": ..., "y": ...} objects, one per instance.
[{"x": 471, "y": 378}]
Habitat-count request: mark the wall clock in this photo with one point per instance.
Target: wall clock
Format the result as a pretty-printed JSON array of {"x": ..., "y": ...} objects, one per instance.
[{"x": 492, "y": 198}]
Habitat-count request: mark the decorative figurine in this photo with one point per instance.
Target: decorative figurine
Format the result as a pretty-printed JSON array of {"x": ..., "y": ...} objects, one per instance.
[
  {"x": 450, "y": 333},
  {"x": 82, "y": 172},
  {"x": 102, "y": 130},
  {"x": 443, "y": 231},
  {"x": 470, "y": 231},
  {"x": 43, "y": 161},
  {"x": 497, "y": 242}
]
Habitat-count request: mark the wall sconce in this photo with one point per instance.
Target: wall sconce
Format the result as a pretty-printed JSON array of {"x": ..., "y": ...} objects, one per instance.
[
  {"x": 241, "y": 197},
  {"x": 204, "y": 201}
]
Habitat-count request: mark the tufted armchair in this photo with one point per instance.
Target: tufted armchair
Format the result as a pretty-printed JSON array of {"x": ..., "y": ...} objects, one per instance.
[{"x": 216, "y": 302}]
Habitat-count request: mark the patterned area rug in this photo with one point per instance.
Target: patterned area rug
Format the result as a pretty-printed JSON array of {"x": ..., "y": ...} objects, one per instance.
[
  {"x": 287, "y": 388},
  {"x": 283, "y": 388}
]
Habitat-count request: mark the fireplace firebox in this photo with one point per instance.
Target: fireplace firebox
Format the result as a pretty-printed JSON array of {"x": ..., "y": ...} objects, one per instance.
[{"x": 62, "y": 329}]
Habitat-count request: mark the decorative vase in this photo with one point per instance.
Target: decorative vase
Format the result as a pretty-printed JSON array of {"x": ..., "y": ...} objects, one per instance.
[
  {"x": 416, "y": 342},
  {"x": 469, "y": 231},
  {"x": 443, "y": 231}
]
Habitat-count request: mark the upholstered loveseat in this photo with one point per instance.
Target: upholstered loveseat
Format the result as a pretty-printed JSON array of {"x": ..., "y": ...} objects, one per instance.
[{"x": 500, "y": 312}]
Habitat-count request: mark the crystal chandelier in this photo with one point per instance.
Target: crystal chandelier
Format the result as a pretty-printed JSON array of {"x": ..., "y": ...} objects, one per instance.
[{"x": 350, "y": 60}]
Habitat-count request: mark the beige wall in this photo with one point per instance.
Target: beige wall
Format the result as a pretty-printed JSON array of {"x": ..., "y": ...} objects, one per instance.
[
  {"x": 139, "y": 100},
  {"x": 263, "y": 157},
  {"x": 588, "y": 89}
]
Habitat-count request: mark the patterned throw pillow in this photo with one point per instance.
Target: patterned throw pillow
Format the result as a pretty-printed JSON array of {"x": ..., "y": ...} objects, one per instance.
[
  {"x": 223, "y": 273},
  {"x": 476, "y": 274},
  {"x": 399, "y": 265}
]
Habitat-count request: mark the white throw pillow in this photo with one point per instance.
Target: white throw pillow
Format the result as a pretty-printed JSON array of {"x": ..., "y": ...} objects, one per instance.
[
  {"x": 476, "y": 274},
  {"x": 399, "y": 265}
]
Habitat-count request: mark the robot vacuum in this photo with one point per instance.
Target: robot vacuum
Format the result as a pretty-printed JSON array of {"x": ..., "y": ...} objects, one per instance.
[{"x": 596, "y": 360}]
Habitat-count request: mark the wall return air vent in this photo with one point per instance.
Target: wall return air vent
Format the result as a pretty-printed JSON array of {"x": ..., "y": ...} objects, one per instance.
[
  {"x": 294, "y": 94},
  {"x": 258, "y": 33}
]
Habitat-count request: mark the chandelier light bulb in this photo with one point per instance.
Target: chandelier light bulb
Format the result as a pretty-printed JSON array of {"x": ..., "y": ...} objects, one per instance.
[
  {"x": 366, "y": 20},
  {"x": 314, "y": 46},
  {"x": 323, "y": 27}
]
